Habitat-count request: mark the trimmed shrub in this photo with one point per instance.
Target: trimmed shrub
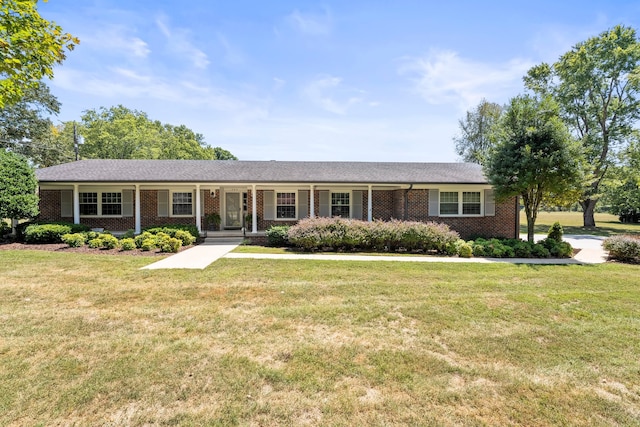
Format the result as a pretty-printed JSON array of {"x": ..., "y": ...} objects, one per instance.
[
  {"x": 348, "y": 234},
  {"x": 464, "y": 249},
  {"x": 185, "y": 237},
  {"x": 170, "y": 244},
  {"x": 170, "y": 229},
  {"x": 140, "y": 238},
  {"x": 95, "y": 243},
  {"x": 539, "y": 251},
  {"x": 623, "y": 248},
  {"x": 127, "y": 244},
  {"x": 555, "y": 232},
  {"x": 109, "y": 241},
  {"x": 148, "y": 244},
  {"x": 277, "y": 235},
  {"x": 73, "y": 240},
  {"x": 46, "y": 233}
]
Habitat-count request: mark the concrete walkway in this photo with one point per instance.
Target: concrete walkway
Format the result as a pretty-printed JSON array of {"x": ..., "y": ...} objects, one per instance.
[
  {"x": 201, "y": 256},
  {"x": 197, "y": 257}
]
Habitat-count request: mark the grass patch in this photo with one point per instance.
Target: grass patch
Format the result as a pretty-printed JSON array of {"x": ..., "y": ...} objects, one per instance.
[
  {"x": 606, "y": 224},
  {"x": 90, "y": 339}
]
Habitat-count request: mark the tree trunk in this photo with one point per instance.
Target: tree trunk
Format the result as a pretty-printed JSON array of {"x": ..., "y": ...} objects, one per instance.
[
  {"x": 588, "y": 207},
  {"x": 530, "y": 227}
]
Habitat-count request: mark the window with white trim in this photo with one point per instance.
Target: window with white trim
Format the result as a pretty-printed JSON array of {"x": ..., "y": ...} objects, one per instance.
[
  {"x": 340, "y": 203},
  {"x": 111, "y": 203},
  {"x": 88, "y": 204},
  {"x": 465, "y": 203},
  {"x": 449, "y": 203},
  {"x": 182, "y": 203},
  {"x": 471, "y": 203},
  {"x": 286, "y": 205}
]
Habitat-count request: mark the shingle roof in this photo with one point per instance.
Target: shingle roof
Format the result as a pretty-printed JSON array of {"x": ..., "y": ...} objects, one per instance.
[{"x": 219, "y": 171}]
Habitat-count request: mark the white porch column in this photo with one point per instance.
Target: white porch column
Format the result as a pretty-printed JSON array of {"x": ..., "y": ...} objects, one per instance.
[
  {"x": 198, "y": 217},
  {"x": 254, "y": 213},
  {"x": 76, "y": 204},
  {"x": 370, "y": 204},
  {"x": 313, "y": 202},
  {"x": 138, "y": 214}
]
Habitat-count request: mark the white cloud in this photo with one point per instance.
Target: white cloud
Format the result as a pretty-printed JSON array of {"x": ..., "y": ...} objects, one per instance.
[
  {"x": 311, "y": 24},
  {"x": 115, "y": 39},
  {"x": 443, "y": 77},
  {"x": 328, "y": 93},
  {"x": 178, "y": 42}
]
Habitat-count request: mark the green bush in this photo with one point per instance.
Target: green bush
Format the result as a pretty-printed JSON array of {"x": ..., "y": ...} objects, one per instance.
[
  {"x": 539, "y": 251},
  {"x": 95, "y": 243},
  {"x": 108, "y": 241},
  {"x": 277, "y": 235},
  {"x": 140, "y": 238},
  {"x": 464, "y": 249},
  {"x": 185, "y": 237},
  {"x": 127, "y": 244},
  {"x": 555, "y": 232},
  {"x": 171, "y": 245},
  {"x": 74, "y": 240},
  {"x": 170, "y": 229},
  {"x": 348, "y": 234},
  {"x": 46, "y": 233},
  {"x": 4, "y": 228},
  {"x": 130, "y": 234},
  {"x": 623, "y": 248},
  {"x": 148, "y": 244}
]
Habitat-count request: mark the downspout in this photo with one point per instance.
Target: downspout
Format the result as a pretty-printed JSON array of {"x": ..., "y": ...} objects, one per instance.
[
  {"x": 517, "y": 230},
  {"x": 406, "y": 202}
]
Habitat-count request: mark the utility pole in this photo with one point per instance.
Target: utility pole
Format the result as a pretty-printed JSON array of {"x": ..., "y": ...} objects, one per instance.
[{"x": 78, "y": 140}]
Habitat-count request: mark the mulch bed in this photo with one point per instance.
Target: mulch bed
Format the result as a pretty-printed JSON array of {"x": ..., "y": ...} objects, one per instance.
[{"x": 62, "y": 247}]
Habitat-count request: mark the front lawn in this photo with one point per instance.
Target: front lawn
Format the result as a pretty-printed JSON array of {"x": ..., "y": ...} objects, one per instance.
[
  {"x": 93, "y": 340},
  {"x": 606, "y": 224}
]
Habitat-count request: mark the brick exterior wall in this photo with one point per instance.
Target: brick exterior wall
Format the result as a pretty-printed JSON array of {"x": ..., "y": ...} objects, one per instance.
[{"x": 387, "y": 205}]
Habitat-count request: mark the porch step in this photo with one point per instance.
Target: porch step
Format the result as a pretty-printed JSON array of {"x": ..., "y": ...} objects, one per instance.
[{"x": 223, "y": 240}]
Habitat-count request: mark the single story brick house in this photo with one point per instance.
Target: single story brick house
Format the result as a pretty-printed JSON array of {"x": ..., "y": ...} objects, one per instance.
[{"x": 119, "y": 195}]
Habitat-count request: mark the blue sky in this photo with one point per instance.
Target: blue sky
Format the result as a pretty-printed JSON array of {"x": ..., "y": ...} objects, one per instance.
[{"x": 332, "y": 80}]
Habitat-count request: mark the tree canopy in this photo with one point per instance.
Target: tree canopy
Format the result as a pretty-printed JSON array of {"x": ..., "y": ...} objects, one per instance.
[
  {"x": 121, "y": 133},
  {"x": 18, "y": 184},
  {"x": 30, "y": 46},
  {"x": 474, "y": 142},
  {"x": 596, "y": 85},
  {"x": 25, "y": 127},
  {"x": 534, "y": 157}
]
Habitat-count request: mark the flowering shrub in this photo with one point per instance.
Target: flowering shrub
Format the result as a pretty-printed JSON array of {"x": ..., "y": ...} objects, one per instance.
[
  {"x": 623, "y": 248},
  {"x": 348, "y": 234}
]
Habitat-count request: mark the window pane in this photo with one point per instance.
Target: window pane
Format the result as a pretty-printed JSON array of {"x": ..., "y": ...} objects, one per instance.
[
  {"x": 340, "y": 205},
  {"x": 111, "y": 203},
  {"x": 471, "y": 203},
  {"x": 286, "y": 205},
  {"x": 88, "y": 203},
  {"x": 449, "y": 203},
  {"x": 182, "y": 203}
]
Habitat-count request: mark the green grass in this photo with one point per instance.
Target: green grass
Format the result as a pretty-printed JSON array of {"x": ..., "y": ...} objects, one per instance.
[
  {"x": 606, "y": 224},
  {"x": 93, "y": 340}
]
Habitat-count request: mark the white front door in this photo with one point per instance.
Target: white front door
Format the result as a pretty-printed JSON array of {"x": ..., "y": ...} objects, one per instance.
[{"x": 233, "y": 210}]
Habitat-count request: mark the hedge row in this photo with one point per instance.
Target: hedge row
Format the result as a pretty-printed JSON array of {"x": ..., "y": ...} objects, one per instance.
[
  {"x": 313, "y": 234},
  {"x": 51, "y": 233},
  {"x": 623, "y": 248},
  {"x": 339, "y": 234}
]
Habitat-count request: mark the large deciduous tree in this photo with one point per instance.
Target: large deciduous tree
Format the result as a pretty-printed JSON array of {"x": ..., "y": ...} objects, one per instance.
[
  {"x": 18, "y": 184},
  {"x": 121, "y": 133},
  {"x": 30, "y": 46},
  {"x": 597, "y": 85},
  {"x": 474, "y": 143},
  {"x": 25, "y": 128},
  {"x": 534, "y": 157}
]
